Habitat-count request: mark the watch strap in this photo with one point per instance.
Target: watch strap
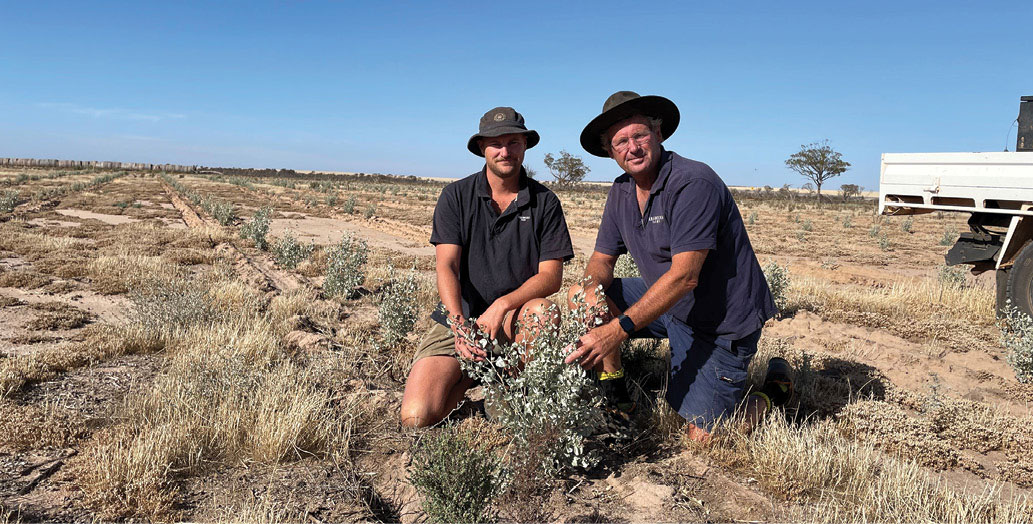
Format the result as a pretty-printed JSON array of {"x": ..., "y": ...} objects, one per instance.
[{"x": 626, "y": 323}]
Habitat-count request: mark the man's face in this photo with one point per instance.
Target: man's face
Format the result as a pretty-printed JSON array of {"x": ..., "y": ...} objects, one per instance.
[
  {"x": 504, "y": 154},
  {"x": 634, "y": 145}
]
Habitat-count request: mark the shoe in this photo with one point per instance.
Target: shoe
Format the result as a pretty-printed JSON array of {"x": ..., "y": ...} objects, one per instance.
[
  {"x": 778, "y": 382},
  {"x": 615, "y": 391}
]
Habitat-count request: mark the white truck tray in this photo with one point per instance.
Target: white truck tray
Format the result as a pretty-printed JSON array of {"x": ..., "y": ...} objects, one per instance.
[{"x": 1001, "y": 183}]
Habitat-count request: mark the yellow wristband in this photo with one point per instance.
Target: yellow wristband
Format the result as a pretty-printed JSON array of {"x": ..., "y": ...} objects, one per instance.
[{"x": 610, "y": 376}]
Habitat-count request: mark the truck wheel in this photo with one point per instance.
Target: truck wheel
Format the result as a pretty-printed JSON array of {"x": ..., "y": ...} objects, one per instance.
[{"x": 1019, "y": 281}]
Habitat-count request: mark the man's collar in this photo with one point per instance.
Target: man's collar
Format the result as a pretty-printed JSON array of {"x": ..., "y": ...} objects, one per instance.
[
  {"x": 484, "y": 189},
  {"x": 665, "y": 171}
]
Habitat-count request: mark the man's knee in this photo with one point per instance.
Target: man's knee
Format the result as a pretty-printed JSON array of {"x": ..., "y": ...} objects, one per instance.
[
  {"x": 416, "y": 414},
  {"x": 539, "y": 311}
]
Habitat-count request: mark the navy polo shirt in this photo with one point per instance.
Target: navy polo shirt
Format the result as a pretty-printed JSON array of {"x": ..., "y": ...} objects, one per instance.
[
  {"x": 500, "y": 251},
  {"x": 690, "y": 208}
]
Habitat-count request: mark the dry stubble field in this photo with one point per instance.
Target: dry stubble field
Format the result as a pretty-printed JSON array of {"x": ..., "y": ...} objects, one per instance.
[{"x": 155, "y": 365}]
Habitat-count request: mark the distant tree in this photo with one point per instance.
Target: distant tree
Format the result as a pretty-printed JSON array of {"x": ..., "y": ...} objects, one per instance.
[
  {"x": 531, "y": 173},
  {"x": 850, "y": 190},
  {"x": 567, "y": 169},
  {"x": 818, "y": 162},
  {"x": 808, "y": 187}
]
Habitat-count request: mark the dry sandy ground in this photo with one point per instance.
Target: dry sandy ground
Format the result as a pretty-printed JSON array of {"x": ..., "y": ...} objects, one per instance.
[{"x": 640, "y": 490}]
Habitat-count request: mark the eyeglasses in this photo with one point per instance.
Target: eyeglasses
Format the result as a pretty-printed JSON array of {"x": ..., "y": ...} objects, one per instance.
[{"x": 624, "y": 143}]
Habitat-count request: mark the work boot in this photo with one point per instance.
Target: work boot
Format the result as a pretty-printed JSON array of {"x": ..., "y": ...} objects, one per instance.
[
  {"x": 778, "y": 382},
  {"x": 615, "y": 390}
]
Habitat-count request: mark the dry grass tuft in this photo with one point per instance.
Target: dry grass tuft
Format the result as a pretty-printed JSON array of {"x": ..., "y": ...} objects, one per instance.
[
  {"x": 38, "y": 426},
  {"x": 51, "y": 316},
  {"x": 115, "y": 274},
  {"x": 228, "y": 396},
  {"x": 23, "y": 279},
  {"x": 841, "y": 479},
  {"x": 101, "y": 342}
]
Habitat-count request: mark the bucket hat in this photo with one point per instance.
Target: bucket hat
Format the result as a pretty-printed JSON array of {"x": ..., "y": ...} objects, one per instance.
[
  {"x": 501, "y": 121},
  {"x": 625, "y": 104}
]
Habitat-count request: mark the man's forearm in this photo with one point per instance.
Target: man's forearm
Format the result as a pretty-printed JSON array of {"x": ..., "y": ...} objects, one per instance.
[
  {"x": 599, "y": 271},
  {"x": 448, "y": 291},
  {"x": 661, "y": 296}
]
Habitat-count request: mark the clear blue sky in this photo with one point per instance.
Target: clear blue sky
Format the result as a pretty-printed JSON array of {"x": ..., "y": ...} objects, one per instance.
[{"x": 398, "y": 87}]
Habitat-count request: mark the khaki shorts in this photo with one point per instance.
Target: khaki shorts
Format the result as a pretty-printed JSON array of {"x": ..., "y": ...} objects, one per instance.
[{"x": 440, "y": 342}]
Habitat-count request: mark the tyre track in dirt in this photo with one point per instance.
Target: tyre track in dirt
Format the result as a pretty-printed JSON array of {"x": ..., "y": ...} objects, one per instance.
[{"x": 261, "y": 273}]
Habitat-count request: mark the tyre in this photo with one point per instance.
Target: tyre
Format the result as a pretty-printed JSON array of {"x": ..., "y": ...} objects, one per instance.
[{"x": 1018, "y": 285}]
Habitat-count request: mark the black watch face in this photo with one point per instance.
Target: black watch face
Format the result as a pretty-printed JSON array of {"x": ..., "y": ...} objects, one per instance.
[{"x": 627, "y": 324}]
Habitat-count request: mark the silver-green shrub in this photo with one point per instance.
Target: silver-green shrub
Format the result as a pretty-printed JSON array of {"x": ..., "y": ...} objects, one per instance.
[
  {"x": 165, "y": 306},
  {"x": 908, "y": 225},
  {"x": 626, "y": 267},
  {"x": 1017, "y": 338},
  {"x": 8, "y": 201},
  {"x": 456, "y": 477},
  {"x": 778, "y": 282},
  {"x": 950, "y": 236},
  {"x": 257, "y": 228},
  {"x": 345, "y": 269},
  {"x": 371, "y": 210},
  {"x": 550, "y": 408},
  {"x": 398, "y": 307},
  {"x": 951, "y": 277},
  {"x": 348, "y": 207},
  {"x": 288, "y": 252}
]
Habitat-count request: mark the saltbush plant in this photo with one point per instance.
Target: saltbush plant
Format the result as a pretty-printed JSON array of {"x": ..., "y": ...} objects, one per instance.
[
  {"x": 908, "y": 225},
  {"x": 1017, "y": 338},
  {"x": 345, "y": 269},
  {"x": 778, "y": 282},
  {"x": 398, "y": 307},
  {"x": 456, "y": 477},
  {"x": 257, "y": 228},
  {"x": 626, "y": 267},
  {"x": 752, "y": 218},
  {"x": 371, "y": 210},
  {"x": 288, "y": 252},
  {"x": 164, "y": 306},
  {"x": 549, "y": 408},
  {"x": 348, "y": 207},
  {"x": 8, "y": 201},
  {"x": 950, "y": 236}
]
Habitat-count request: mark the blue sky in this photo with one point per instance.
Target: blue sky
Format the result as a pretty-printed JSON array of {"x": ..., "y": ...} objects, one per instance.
[{"x": 398, "y": 87}]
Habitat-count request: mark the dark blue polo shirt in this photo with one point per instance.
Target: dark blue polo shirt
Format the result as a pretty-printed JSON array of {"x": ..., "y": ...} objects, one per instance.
[
  {"x": 689, "y": 209},
  {"x": 500, "y": 251}
]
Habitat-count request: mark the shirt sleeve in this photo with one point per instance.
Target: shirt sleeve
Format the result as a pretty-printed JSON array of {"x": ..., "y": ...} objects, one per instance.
[
  {"x": 446, "y": 227},
  {"x": 609, "y": 241},
  {"x": 695, "y": 217},
  {"x": 554, "y": 238}
]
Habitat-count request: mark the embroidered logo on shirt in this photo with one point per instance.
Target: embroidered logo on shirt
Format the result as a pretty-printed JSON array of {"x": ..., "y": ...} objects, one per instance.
[
  {"x": 656, "y": 220},
  {"x": 525, "y": 219}
]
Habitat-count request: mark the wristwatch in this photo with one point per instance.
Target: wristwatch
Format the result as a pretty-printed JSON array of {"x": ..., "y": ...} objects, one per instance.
[{"x": 626, "y": 323}]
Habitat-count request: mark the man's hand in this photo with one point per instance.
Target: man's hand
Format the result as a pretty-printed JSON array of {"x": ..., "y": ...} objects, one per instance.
[
  {"x": 493, "y": 317},
  {"x": 596, "y": 345},
  {"x": 463, "y": 345}
]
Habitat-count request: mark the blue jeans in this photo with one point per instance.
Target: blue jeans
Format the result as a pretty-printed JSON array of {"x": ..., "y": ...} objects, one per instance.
[{"x": 708, "y": 373}]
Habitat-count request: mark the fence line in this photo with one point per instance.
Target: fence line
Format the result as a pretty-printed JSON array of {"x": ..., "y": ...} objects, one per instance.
[{"x": 79, "y": 164}]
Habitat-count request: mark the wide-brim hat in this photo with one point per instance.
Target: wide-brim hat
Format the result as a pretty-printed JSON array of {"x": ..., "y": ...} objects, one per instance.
[
  {"x": 625, "y": 104},
  {"x": 501, "y": 121}
]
